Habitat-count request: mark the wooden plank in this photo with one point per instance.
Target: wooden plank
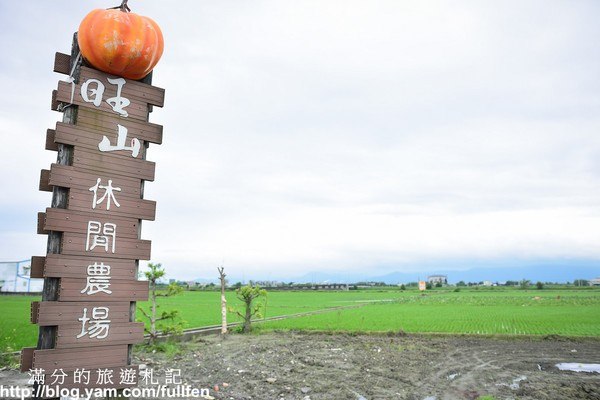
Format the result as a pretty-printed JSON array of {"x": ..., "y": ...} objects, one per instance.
[
  {"x": 50, "y": 144},
  {"x": 113, "y": 164},
  {"x": 121, "y": 290},
  {"x": 71, "y": 359},
  {"x": 151, "y": 94},
  {"x": 137, "y": 109},
  {"x": 34, "y": 312},
  {"x": 54, "y": 313},
  {"x": 62, "y": 266},
  {"x": 44, "y": 185},
  {"x": 100, "y": 121},
  {"x": 90, "y": 139},
  {"x": 54, "y": 103},
  {"x": 122, "y": 333},
  {"x": 80, "y": 200},
  {"x": 41, "y": 222},
  {"x": 37, "y": 267},
  {"x": 61, "y": 220},
  {"x": 27, "y": 358},
  {"x": 62, "y": 63},
  {"x": 132, "y": 90},
  {"x": 67, "y": 319},
  {"x": 69, "y": 177},
  {"x": 73, "y": 244}
]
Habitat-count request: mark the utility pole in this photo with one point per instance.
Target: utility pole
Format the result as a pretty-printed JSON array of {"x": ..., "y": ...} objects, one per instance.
[{"x": 222, "y": 276}]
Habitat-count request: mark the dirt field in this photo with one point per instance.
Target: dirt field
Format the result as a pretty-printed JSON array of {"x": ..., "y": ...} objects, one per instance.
[{"x": 318, "y": 366}]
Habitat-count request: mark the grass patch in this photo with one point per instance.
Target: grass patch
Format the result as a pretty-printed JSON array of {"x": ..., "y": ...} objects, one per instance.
[
  {"x": 502, "y": 311},
  {"x": 169, "y": 348}
]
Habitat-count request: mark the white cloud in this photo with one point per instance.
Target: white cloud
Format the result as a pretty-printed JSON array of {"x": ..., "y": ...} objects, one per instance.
[{"x": 347, "y": 134}]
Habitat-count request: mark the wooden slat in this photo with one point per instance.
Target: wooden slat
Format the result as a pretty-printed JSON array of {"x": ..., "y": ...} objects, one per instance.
[
  {"x": 61, "y": 266},
  {"x": 27, "y": 358},
  {"x": 151, "y": 94},
  {"x": 45, "y": 181},
  {"x": 59, "y": 313},
  {"x": 53, "y": 101},
  {"x": 41, "y": 221},
  {"x": 112, "y": 164},
  {"x": 90, "y": 139},
  {"x": 135, "y": 110},
  {"x": 61, "y": 220},
  {"x": 34, "y": 312},
  {"x": 132, "y": 90},
  {"x": 99, "y": 121},
  {"x": 73, "y": 244},
  {"x": 122, "y": 333},
  {"x": 37, "y": 267},
  {"x": 62, "y": 63},
  {"x": 141, "y": 96},
  {"x": 70, "y": 359},
  {"x": 50, "y": 144},
  {"x": 121, "y": 290},
  {"x": 80, "y": 200},
  {"x": 69, "y": 177}
]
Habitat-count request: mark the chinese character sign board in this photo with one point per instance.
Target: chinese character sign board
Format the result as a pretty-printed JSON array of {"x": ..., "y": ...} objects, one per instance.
[{"x": 91, "y": 314}]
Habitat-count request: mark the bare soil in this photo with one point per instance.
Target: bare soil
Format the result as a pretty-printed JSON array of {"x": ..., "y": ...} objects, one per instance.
[
  {"x": 368, "y": 367},
  {"x": 340, "y": 366}
]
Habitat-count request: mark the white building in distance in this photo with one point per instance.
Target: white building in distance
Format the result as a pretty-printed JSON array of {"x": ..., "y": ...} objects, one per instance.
[{"x": 433, "y": 279}]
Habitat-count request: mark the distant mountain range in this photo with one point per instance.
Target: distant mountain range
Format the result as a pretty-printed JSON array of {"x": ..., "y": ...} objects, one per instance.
[
  {"x": 544, "y": 271},
  {"x": 532, "y": 273}
]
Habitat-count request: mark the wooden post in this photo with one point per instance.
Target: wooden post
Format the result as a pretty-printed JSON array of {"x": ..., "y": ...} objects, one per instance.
[
  {"x": 222, "y": 276},
  {"x": 60, "y": 196}
]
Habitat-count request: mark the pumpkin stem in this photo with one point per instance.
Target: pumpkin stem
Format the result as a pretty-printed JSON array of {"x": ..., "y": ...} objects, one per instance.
[{"x": 123, "y": 7}]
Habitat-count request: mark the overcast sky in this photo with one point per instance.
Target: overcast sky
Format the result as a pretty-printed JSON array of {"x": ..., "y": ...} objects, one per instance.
[{"x": 344, "y": 136}]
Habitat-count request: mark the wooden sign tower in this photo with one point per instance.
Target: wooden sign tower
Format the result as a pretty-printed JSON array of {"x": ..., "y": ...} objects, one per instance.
[{"x": 87, "y": 313}]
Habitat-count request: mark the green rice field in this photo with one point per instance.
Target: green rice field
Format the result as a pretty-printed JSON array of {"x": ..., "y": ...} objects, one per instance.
[
  {"x": 572, "y": 312},
  {"x": 485, "y": 313}
]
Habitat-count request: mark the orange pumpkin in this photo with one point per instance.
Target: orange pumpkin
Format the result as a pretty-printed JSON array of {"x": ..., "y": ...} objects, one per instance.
[{"x": 120, "y": 43}]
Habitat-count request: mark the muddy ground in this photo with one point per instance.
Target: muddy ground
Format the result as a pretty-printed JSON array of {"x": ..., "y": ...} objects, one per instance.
[{"x": 320, "y": 366}]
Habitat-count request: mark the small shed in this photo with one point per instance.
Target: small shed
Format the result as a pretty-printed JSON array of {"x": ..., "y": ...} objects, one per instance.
[{"x": 15, "y": 278}]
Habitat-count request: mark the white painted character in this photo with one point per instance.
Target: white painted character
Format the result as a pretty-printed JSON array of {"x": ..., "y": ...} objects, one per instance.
[
  {"x": 99, "y": 235},
  {"x": 118, "y": 103},
  {"x": 96, "y": 93},
  {"x": 135, "y": 147},
  {"x": 98, "y": 325},
  {"x": 108, "y": 194},
  {"x": 98, "y": 279},
  {"x": 94, "y": 96}
]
